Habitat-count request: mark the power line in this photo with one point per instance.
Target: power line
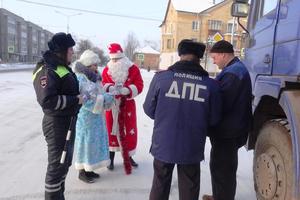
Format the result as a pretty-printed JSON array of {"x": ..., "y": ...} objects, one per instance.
[{"x": 91, "y": 11}]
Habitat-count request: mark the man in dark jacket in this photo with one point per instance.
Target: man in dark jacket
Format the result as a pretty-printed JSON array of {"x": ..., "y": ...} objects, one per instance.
[
  {"x": 232, "y": 131},
  {"x": 184, "y": 102},
  {"x": 57, "y": 92}
]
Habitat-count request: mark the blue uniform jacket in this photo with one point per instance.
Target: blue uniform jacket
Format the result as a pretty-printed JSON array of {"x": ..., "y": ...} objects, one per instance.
[
  {"x": 236, "y": 96},
  {"x": 184, "y": 102}
]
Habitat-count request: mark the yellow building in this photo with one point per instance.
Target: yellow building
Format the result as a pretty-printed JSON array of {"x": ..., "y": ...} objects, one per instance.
[{"x": 199, "y": 20}]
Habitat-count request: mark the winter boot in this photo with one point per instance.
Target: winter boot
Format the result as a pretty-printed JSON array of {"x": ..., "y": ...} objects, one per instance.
[
  {"x": 207, "y": 197},
  {"x": 92, "y": 174},
  {"x": 133, "y": 163},
  {"x": 83, "y": 177},
  {"x": 112, "y": 157}
]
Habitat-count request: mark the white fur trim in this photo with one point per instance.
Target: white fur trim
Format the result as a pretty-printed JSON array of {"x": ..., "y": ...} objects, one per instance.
[
  {"x": 89, "y": 168},
  {"x": 114, "y": 149},
  {"x": 106, "y": 86},
  {"x": 116, "y": 55},
  {"x": 98, "y": 107},
  {"x": 134, "y": 91},
  {"x": 115, "y": 114},
  {"x": 132, "y": 152},
  {"x": 88, "y": 58}
]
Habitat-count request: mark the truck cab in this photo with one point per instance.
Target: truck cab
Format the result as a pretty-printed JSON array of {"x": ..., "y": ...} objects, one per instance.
[{"x": 272, "y": 57}]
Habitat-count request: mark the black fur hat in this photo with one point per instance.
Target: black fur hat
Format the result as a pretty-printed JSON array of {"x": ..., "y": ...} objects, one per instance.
[
  {"x": 190, "y": 47},
  {"x": 222, "y": 47},
  {"x": 61, "y": 42}
]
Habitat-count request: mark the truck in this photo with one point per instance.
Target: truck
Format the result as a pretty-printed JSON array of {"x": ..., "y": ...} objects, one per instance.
[{"x": 272, "y": 57}]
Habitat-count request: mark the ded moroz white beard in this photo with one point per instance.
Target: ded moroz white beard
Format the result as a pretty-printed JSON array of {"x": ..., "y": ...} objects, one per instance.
[{"x": 119, "y": 70}]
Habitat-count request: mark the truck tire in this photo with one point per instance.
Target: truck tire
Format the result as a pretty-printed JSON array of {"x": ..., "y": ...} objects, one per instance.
[{"x": 272, "y": 162}]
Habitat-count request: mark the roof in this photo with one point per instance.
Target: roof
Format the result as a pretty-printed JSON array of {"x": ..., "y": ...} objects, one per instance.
[
  {"x": 147, "y": 50},
  {"x": 194, "y": 6}
]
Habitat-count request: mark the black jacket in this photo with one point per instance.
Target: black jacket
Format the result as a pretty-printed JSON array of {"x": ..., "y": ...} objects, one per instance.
[{"x": 56, "y": 87}]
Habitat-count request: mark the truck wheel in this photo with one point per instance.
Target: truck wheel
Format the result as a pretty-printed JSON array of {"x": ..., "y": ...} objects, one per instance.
[{"x": 272, "y": 162}]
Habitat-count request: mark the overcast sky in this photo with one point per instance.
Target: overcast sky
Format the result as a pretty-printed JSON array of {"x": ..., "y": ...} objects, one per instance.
[
  {"x": 144, "y": 18},
  {"x": 100, "y": 29}
]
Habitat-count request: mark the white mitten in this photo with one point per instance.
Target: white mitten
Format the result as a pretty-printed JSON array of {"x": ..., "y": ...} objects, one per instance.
[
  {"x": 111, "y": 89},
  {"x": 124, "y": 91}
]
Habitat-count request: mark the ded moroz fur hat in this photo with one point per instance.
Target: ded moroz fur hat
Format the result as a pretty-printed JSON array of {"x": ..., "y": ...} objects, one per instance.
[{"x": 115, "y": 51}]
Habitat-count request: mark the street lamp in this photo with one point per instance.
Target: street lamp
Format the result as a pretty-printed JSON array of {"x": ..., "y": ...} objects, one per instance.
[{"x": 68, "y": 18}]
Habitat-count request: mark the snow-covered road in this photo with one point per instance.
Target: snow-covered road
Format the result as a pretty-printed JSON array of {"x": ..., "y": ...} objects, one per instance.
[{"x": 23, "y": 153}]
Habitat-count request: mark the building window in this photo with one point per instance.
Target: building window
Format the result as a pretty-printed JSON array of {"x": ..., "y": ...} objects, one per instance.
[
  {"x": 195, "y": 25},
  {"x": 215, "y": 25},
  {"x": 169, "y": 44},
  {"x": 173, "y": 41},
  {"x": 34, "y": 42},
  {"x": 168, "y": 29},
  {"x": 229, "y": 27},
  {"x": 23, "y": 49},
  {"x": 234, "y": 44},
  {"x": 11, "y": 26}
]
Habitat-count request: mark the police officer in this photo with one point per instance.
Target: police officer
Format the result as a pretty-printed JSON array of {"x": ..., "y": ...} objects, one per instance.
[
  {"x": 232, "y": 131},
  {"x": 184, "y": 102},
  {"x": 57, "y": 92}
]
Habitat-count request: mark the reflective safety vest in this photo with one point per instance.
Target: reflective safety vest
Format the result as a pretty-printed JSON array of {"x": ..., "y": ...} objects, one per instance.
[
  {"x": 56, "y": 90},
  {"x": 61, "y": 71}
]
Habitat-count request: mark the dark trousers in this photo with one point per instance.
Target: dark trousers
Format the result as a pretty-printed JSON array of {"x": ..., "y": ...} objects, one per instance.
[
  {"x": 55, "y": 130},
  {"x": 223, "y": 167},
  {"x": 188, "y": 180}
]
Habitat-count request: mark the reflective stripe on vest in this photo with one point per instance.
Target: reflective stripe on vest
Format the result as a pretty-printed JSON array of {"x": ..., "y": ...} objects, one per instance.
[
  {"x": 61, "y": 71},
  {"x": 37, "y": 71}
]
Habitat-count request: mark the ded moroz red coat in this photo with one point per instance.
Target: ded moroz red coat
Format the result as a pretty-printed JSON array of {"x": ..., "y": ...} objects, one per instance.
[{"x": 134, "y": 82}]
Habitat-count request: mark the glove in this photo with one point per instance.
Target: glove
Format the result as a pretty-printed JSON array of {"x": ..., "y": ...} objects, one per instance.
[
  {"x": 85, "y": 98},
  {"x": 108, "y": 101},
  {"x": 124, "y": 91},
  {"x": 113, "y": 90}
]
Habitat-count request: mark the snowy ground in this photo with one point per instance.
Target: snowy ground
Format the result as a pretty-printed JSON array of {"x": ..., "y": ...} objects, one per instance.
[
  {"x": 15, "y": 67},
  {"x": 23, "y": 153}
]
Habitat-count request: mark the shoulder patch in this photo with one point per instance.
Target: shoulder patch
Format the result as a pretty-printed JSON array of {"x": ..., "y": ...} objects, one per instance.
[{"x": 43, "y": 81}]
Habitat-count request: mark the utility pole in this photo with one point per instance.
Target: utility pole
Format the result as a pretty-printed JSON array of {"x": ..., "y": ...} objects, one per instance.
[
  {"x": 232, "y": 31},
  {"x": 68, "y": 18}
]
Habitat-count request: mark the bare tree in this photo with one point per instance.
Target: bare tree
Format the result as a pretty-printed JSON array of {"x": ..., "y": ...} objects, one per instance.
[
  {"x": 131, "y": 43},
  {"x": 104, "y": 59},
  {"x": 83, "y": 45}
]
